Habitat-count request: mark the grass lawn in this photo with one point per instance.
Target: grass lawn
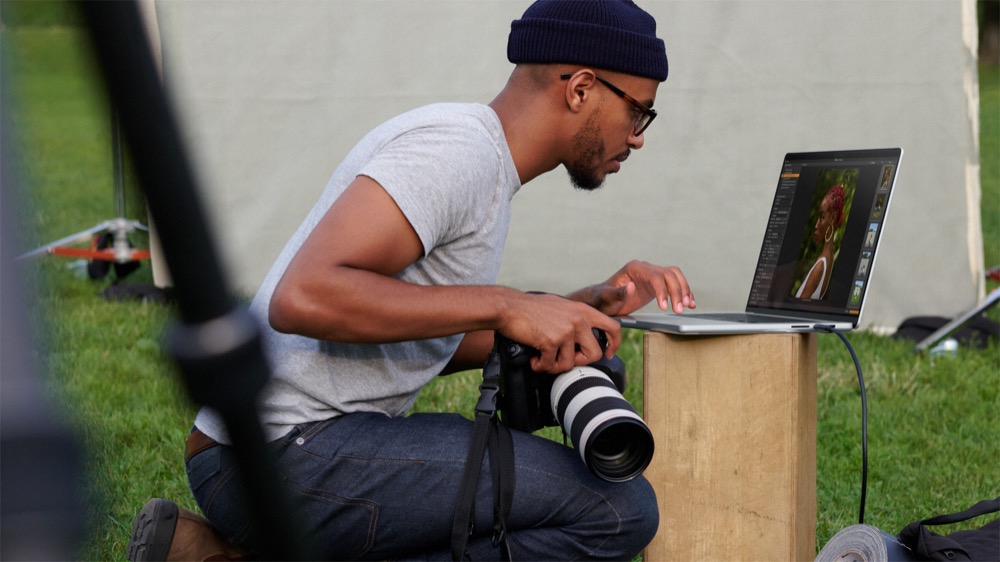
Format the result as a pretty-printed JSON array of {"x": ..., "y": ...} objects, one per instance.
[{"x": 934, "y": 428}]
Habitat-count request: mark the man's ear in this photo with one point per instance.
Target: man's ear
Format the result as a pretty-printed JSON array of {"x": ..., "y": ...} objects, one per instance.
[{"x": 579, "y": 86}]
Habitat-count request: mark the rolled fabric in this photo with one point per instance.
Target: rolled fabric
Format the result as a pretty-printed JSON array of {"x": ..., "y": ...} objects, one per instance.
[{"x": 864, "y": 543}]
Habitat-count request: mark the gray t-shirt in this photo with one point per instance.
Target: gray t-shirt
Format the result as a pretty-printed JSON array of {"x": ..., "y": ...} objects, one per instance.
[{"x": 449, "y": 169}]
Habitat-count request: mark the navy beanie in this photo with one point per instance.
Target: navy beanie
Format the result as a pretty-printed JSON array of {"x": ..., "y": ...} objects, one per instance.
[{"x": 610, "y": 34}]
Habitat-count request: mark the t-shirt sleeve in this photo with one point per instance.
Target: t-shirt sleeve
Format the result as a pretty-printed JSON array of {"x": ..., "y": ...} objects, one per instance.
[{"x": 437, "y": 176}]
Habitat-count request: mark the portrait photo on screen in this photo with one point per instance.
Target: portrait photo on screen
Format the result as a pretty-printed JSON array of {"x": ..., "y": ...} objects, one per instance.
[{"x": 831, "y": 205}]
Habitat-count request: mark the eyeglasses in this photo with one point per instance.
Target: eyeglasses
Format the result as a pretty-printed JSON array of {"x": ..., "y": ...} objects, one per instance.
[{"x": 646, "y": 114}]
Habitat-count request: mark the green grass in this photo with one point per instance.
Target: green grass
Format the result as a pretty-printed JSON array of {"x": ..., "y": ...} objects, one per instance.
[
  {"x": 37, "y": 13},
  {"x": 934, "y": 432}
]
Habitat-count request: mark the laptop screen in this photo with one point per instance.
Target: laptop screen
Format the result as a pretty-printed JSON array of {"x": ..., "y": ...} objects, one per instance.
[{"x": 824, "y": 229}]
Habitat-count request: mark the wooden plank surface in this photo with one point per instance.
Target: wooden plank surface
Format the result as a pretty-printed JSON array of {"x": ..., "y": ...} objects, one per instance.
[{"x": 734, "y": 420}]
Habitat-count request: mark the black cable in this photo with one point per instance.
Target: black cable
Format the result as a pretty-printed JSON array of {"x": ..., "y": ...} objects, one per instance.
[{"x": 864, "y": 418}]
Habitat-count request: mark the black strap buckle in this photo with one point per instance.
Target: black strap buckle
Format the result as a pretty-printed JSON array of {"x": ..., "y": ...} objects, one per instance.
[
  {"x": 489, "y": 390},
  {"x": 487, "y": 403}
]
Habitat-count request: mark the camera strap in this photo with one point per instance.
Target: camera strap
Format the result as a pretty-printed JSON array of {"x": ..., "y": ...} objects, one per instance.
[{"x": 488, "y": 432}]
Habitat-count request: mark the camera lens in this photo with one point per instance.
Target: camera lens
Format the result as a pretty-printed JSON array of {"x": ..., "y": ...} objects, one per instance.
[
  {"x": 621, "y": 449},
  {"x": 610, "y": 436}
]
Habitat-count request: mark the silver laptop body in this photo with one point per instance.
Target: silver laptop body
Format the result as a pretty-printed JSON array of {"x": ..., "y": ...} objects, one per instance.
[{"x": 806, "y": 278}]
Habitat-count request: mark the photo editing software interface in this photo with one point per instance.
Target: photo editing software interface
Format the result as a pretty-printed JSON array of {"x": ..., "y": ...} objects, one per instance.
[{"x": 820, "y": 239}]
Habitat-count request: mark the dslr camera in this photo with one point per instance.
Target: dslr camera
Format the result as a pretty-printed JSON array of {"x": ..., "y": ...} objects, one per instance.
[{"x": 586, "y": 402}]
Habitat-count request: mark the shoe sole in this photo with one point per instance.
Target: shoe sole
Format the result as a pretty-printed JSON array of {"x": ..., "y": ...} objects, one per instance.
[{"x": 152, "y": 531}]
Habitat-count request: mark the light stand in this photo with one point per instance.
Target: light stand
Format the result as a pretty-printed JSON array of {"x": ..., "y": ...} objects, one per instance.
[{"x": 115, "y": 248}]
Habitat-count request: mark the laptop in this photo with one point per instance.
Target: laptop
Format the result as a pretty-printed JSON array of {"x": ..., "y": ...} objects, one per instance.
[{"x": 818, "y": 255}]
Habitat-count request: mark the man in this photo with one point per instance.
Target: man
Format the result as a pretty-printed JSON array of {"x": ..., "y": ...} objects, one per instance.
[{"x": 389, "y": 283}]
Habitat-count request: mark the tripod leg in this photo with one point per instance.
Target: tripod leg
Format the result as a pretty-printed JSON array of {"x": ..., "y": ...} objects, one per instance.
[{"x": 960, "y": 321}]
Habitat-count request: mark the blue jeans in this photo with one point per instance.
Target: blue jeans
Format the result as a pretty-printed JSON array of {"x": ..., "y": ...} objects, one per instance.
[{"x": 370, "y": 487}]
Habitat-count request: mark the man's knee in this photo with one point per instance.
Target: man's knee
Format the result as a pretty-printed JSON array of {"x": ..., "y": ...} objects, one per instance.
[
  {"x": 630, "y": 521},
  {"x": 642, "y": 518}
]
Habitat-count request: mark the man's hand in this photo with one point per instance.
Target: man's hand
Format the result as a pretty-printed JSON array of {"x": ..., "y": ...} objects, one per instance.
[
  {"x": 560, "y": 329},
  {"x": 634, "y": 285}
]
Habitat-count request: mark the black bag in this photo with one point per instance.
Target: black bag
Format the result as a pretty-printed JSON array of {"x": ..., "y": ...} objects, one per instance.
[{"x": 975, "y": 545}]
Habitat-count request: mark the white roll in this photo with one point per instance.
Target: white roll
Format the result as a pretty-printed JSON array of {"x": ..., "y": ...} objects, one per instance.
[{"x": 864, "y": 543}]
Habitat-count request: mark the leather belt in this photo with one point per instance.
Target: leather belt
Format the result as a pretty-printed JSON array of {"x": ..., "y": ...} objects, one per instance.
[{"x": 196, "y": 443}]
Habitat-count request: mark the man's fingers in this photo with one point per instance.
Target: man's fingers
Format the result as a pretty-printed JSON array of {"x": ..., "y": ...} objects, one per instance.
[
  {"x": 672, "y": 287},
  {"x": 589, "y": 349}
]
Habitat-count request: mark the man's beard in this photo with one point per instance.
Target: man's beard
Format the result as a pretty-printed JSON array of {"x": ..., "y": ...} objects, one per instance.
[{"x": 589, "y": 148}]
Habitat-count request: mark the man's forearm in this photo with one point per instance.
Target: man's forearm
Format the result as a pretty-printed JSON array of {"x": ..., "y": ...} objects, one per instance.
[
  {"x": 471, "y": 353},
  {"x": 354, "y": 305}
]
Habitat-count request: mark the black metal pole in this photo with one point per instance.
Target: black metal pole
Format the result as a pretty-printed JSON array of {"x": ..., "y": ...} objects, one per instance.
[{"x": 217, "y": 344}]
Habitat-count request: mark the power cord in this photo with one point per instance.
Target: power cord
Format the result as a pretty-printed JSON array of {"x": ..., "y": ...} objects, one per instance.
[{"x": 864, "y": 417}]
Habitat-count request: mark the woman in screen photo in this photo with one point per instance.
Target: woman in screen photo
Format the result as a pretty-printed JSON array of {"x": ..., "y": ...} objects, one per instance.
[{"x": 830, "y": 217}]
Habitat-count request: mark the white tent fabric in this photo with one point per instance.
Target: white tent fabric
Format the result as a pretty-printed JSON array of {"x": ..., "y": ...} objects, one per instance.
[{"x": 273, "y": 94}]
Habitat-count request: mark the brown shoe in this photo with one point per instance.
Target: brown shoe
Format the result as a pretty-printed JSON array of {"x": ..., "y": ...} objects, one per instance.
[{"x": 163, "y": 532}]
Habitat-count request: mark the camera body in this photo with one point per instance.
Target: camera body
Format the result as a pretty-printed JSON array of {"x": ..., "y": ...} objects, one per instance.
[
  {"x": 524, "y": 401},
  {"x": 610, "y": 436}
]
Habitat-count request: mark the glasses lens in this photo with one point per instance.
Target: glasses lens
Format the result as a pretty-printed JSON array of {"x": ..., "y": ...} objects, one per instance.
[{"x": 641, "y": 123}]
